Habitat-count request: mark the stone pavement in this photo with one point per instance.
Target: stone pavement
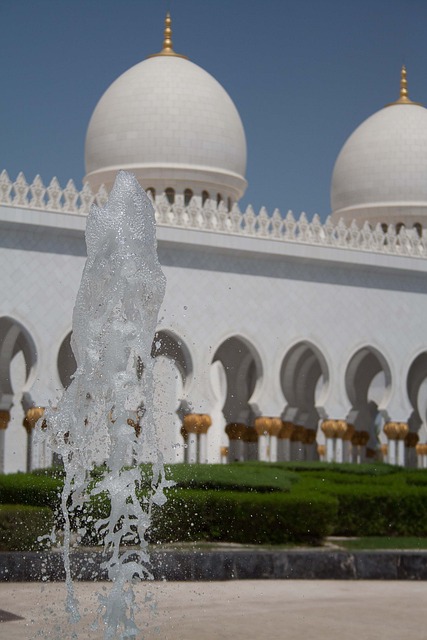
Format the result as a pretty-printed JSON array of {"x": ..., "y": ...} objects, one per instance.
[{"x": 232, "y": 610}]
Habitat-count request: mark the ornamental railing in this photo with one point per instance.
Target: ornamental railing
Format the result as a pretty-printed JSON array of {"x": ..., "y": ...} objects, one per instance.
[{"x": 216, "y": 218}]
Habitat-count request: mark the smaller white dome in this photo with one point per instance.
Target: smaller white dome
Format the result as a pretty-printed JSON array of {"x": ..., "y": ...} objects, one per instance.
[
  {"x": 173, "y": 125},
  {"x": 380, "y": 174}
]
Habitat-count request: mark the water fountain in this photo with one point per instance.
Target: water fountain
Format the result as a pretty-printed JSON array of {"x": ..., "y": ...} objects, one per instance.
[{"x": 105, "y": 417}]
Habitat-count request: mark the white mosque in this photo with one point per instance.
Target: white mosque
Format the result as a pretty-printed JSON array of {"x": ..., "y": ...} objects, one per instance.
[{"x": 279, "y": 338}]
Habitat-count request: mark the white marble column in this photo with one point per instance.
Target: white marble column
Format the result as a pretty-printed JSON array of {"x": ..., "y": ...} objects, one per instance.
[
  {"x": 421, "y": 450},
  {"x": 365, "y": 441},
  {"x": 384, "y": 452},
  {"x": 391, "y": 429},
  {"x": 31, "y": 418},
  {"x": 347, "y": 444},
  {"x": 411, "y": 442},
  {"x": 203, "y": 448},
  {"x": 236, "y": 433},
  {"x": 263, "y": 427},
  {"x": 403, "y": 432},
  {"x": 329, "y": 428},
  {"x": 194, "y": 431},
  {"x": 251, "y": 444},
  {"x": 224, "y": 455},
  {"x": 204, "y": 423},
  {"x": 321, "y": 452},
  {"x": 298, "y": 439},
  {"x": 284, "y": 444},
  {"x": 392, "y": 452},
  {"x": 275, "y": 429},
  {"x": 310, "y": 445},
  {"x": 396, "y": 433},
  {"x": 340, "y": 433},
  {"x": 192, "y": 448},
  {"x": 4, "y": 421}
]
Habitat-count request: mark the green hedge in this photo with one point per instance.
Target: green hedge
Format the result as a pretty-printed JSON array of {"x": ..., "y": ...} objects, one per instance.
[
  {"x": 239, "y": 476},
  {"x": 298, "y": 502},
  {"x": 381, "y": 511},
  {"x": 243, "y": 518},
  {"x": 230, "y": 516},
  {"x": 30, "y": 489},
  {"x": 343, "y": 469},
  {"x": 22, "y": 526},
  {"x": 57, "y": 472}
]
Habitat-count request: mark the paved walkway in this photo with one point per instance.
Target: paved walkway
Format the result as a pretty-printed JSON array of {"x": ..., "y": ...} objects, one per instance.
[{"x": 233, "y": 610}]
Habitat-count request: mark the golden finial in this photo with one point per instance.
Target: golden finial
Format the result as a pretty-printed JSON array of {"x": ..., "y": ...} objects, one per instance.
[
  {"x": 167, "y": 36},
  {"x": 403, "y": 98},
  {"x": 403, "y": 86},
  {"x": 167, "y": 41}
]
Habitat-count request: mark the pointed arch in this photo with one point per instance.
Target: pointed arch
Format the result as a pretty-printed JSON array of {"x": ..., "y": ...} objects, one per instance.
[
  {"x": 66, "y": 361},
  {"x": 243, "y": 373},
  {"x": 416, "y": 385},
  {"x": 304, "y": 378},
  {"x": 173, "y": 370},
  {"x": 168, "y": 344},
  {"x": 367, "y": 384},
  {"x": 14, "y": 339}
]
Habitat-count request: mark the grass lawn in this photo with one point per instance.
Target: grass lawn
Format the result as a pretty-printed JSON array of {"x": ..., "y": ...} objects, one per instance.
[{"x": 377, "y": 543}]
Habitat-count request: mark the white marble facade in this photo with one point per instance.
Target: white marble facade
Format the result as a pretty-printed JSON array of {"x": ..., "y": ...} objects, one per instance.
[
  {"x": 298, "y": 339},
  {"x": 252, "y": 326}
]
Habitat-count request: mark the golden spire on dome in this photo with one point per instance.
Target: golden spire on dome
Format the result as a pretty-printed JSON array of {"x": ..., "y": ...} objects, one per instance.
[
  {"x": 403, "y": 98},
  {"x": 167, "y": 41}
]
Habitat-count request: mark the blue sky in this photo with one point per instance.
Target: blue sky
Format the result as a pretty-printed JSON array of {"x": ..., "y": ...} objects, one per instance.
[{"x": 303, "y": 74}]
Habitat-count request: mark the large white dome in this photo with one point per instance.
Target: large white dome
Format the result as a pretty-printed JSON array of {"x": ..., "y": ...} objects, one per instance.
[
  {"x": 381, "y": 172},
  {"x": 173, "y": 125}
]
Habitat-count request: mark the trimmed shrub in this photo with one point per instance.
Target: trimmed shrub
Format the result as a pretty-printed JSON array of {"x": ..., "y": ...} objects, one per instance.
[
  {"x": 417, "y": 477},
  {"x": 22, "y": 526},
  {"x": 57, "y": 472},
  {"x": 239, "y": 476},
  {"x": 257, "y": 503},
  {"x": 29, "y": 489},
  {"x": 346, "y": 468},
  {"x": 243, "y": 518},
  {"x": 381, "y": 511}
]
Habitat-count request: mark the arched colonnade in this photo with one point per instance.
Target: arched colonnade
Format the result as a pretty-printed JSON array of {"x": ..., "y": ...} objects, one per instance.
[{"x": 306, "y": 429}]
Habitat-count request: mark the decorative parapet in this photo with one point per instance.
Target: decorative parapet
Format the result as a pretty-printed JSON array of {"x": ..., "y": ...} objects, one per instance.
[
  {"x": 22, "y": 195},
  {"x": 216, "y": 218}
]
